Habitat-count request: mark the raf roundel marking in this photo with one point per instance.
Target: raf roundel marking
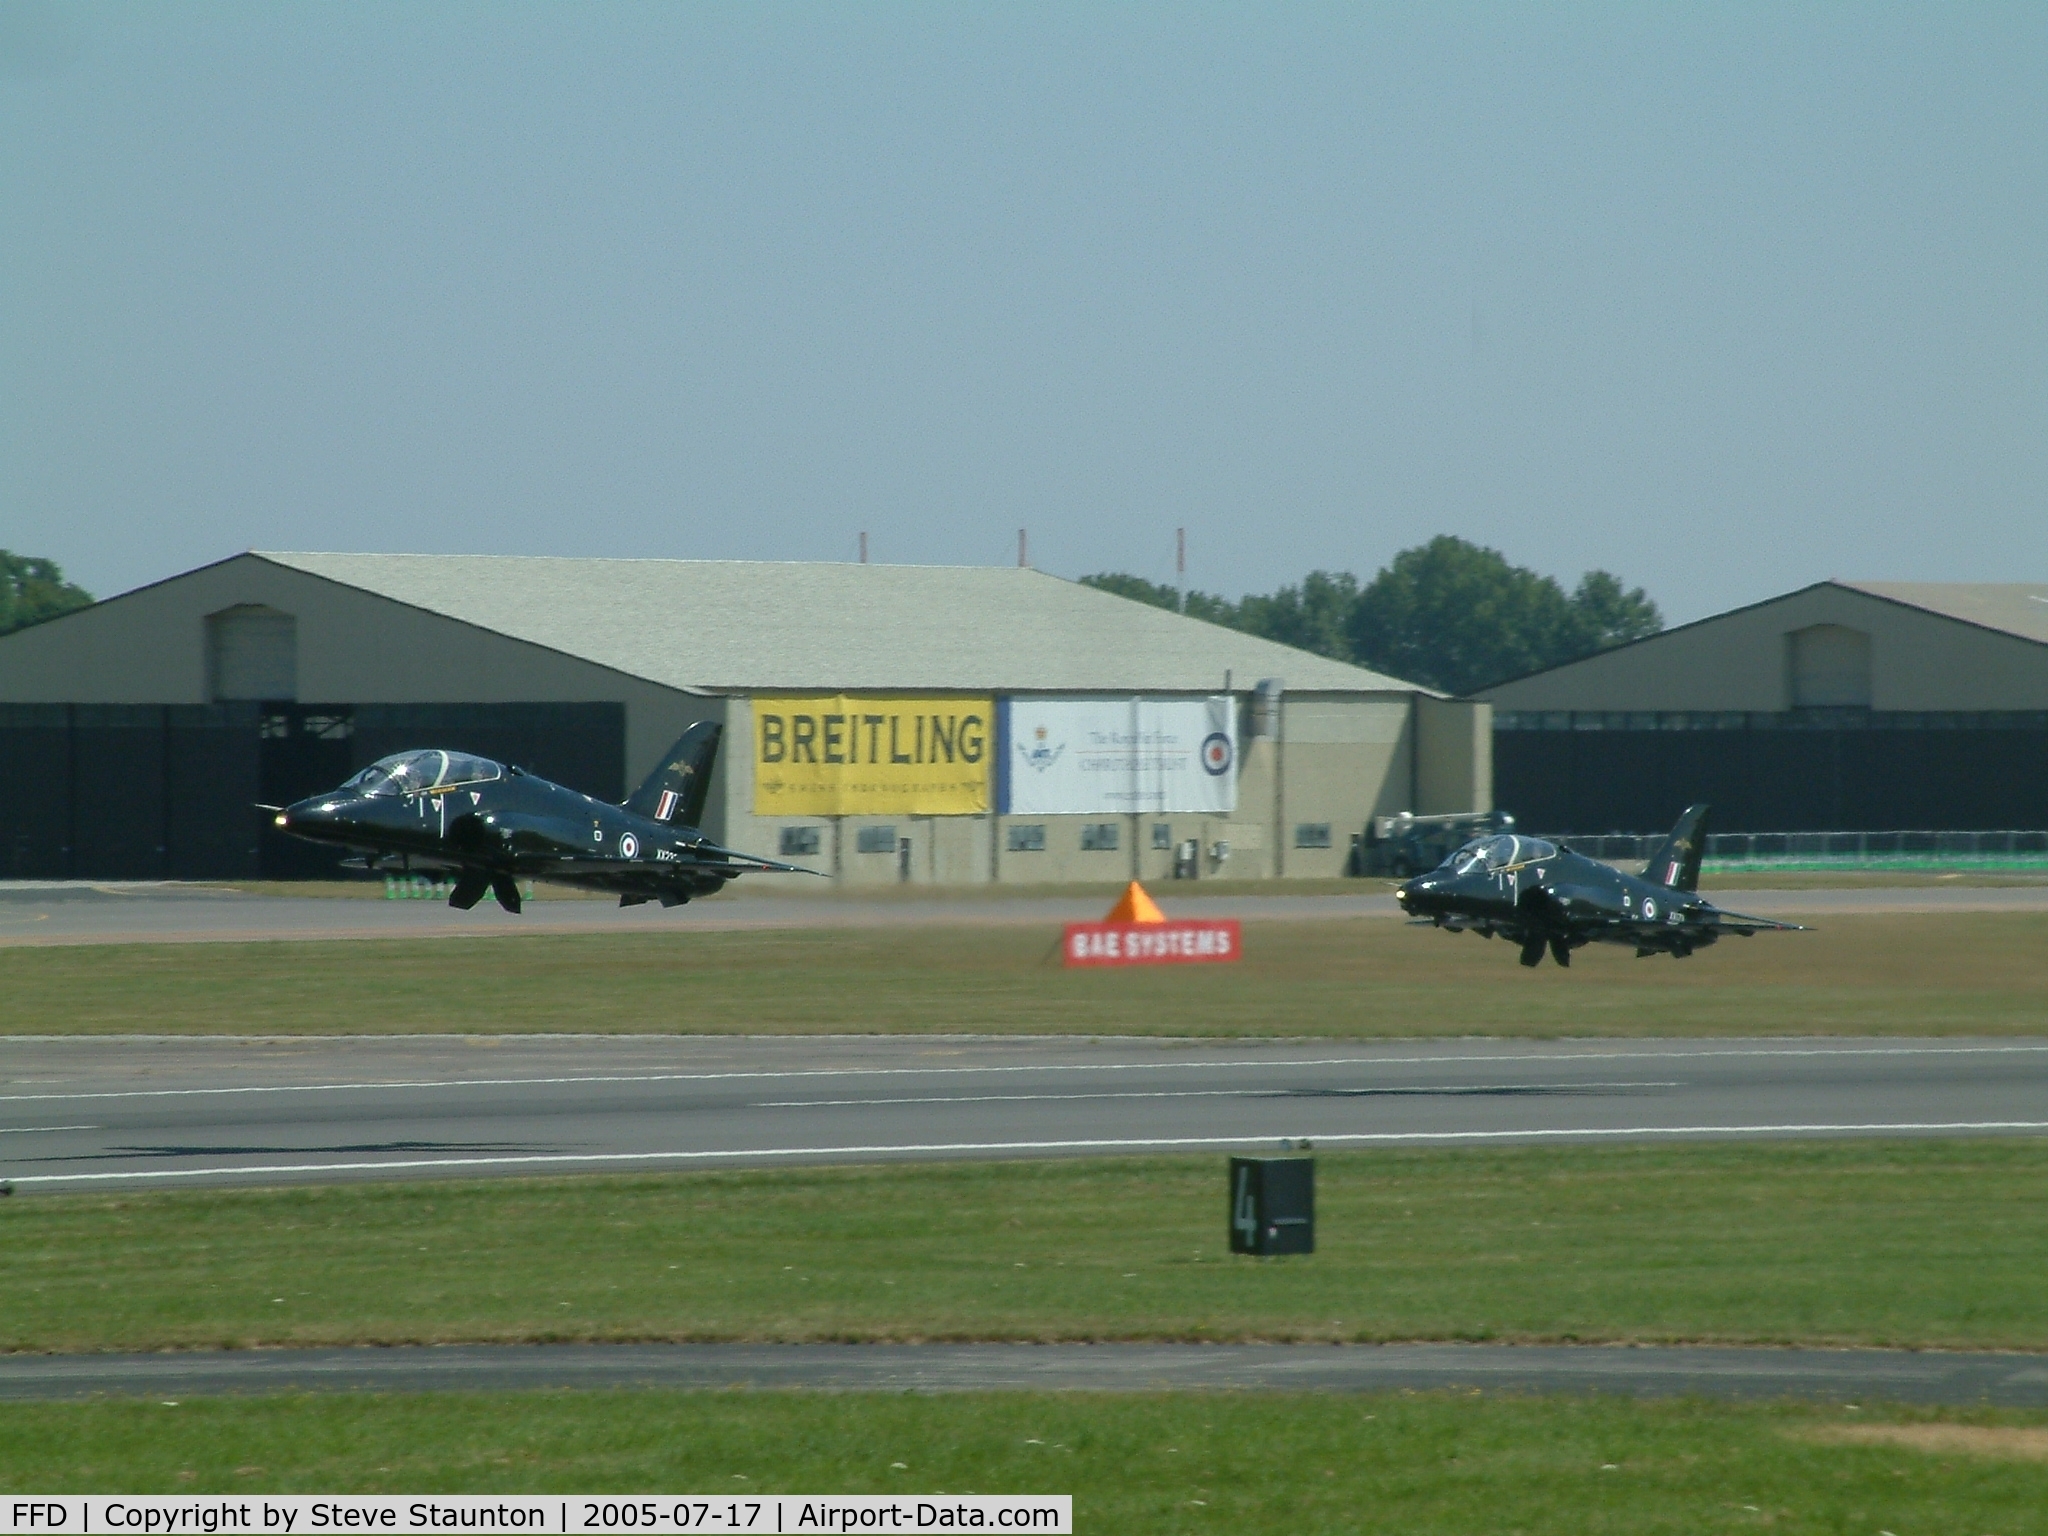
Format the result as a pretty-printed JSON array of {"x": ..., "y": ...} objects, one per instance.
[
  {"x": 1216, "y": 754},
  {"x": 629, "y": 846},
  {"x": 1650, "y": 906}
]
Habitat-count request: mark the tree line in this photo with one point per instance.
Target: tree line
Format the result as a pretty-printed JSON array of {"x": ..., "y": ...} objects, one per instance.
[
  {"x": 1449, "y": 614},
  {"x": 32, "y": 590}
]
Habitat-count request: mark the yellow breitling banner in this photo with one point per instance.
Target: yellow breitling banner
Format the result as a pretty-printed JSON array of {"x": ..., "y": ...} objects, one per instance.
[{"x": 847, "y": 756}]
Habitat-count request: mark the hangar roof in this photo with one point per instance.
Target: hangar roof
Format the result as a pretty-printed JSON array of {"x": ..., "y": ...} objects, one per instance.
[
  {"x": 754, "y": 625},
  {"x": 2015, "y": 607}
]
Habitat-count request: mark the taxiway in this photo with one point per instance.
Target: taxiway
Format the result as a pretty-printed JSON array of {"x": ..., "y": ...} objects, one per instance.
[{"x": 1836, "y": 1375}]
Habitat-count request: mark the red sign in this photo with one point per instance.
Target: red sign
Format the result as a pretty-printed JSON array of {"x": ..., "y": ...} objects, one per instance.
[{"x": 1202, "y": 942}]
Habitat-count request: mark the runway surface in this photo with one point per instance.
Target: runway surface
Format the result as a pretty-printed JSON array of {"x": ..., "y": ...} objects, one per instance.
[
  {"x": 1830, "y": 1375},
  {"x": 85, "y": 1113},
  {"x": 82, "y": 912}
]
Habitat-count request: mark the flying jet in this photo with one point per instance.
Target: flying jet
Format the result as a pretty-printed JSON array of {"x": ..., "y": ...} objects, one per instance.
[
  {"x": 1541, "y": 896},
  {"x": 492, "y": 825}
]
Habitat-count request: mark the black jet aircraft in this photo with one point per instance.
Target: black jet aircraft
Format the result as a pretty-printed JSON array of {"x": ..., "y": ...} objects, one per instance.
[
  {"x": 1541, "y": 896},
  {"x": 492, "y": 825}
]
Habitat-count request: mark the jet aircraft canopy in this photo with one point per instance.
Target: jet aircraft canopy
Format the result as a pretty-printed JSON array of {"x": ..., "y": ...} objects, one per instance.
[
  {"x": 415, "y": 773},
  {"x": 1498, "y": 852}
]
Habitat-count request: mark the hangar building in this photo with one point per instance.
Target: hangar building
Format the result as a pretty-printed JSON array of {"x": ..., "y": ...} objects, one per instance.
[
  {"x": 883, "y": 723},
  {"x": 1844, "y": 706}
]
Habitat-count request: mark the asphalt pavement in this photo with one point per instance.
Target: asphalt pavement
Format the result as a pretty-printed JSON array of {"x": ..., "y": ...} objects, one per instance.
[
  {"x": 109, "y": 912},
  {"x": 84, "y": 1112},
  {"x": 1829, "y": 1375}
]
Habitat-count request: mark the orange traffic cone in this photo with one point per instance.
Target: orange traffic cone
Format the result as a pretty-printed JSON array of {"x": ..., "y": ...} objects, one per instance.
[{"x": 1135, "y": 906}]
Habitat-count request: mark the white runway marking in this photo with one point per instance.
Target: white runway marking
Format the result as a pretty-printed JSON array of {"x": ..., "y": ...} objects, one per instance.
[
  {"x": 1127, "y": 1144},
  {"x": 1103, "y": 1066},
  {"x": 1196, "y": 1093},
  {"x": 26, "y": 1130}
]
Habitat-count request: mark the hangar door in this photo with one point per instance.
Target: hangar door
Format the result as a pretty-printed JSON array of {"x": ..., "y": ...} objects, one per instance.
[
  {"x": 1829, "y": 666},
  {"x": 252, "y": 652}
]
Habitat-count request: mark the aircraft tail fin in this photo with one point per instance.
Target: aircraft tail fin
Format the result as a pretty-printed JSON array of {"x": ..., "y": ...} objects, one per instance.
[
  {"x": 677, "y": 791},
  {"x": 1676, "y": 862}
]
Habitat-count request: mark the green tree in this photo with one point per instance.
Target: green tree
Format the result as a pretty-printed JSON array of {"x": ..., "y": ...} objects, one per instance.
[
  {"x": 1609, "y": 615},
  {"x": 1212, "y": 609},
  {"x": 1315, "y": 616},
  {"x": 32, "y": 590},
  {"x": 1198, "y": 605},
  {"x": 1136, "y": 588},
  {"x": 1457, "y": 616},
  {"x": 1449, "y": 614}
]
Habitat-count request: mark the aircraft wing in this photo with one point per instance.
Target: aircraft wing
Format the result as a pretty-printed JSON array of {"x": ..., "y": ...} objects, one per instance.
[
  {"x": 1695, "y": 917},
  {"x": 718, "y": 857},
  {"x": 706, "y": 858},
  {"x": 1737, "y": 922}
]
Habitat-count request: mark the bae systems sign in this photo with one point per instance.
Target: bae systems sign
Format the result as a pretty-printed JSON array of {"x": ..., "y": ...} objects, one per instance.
[
  {"x": 1203, "y": 941},
  {"x": 1128, "y": 756}
]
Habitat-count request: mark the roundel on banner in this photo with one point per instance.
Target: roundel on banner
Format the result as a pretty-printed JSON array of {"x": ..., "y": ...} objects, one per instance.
[
  {"x": 1216, "y": 754},
  {"x": 629, "y": 846}
]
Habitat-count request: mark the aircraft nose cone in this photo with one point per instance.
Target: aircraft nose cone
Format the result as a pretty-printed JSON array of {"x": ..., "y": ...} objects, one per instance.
[
  {"x": 1417, "y": 894},
  {"x": 308, "y": 816}
]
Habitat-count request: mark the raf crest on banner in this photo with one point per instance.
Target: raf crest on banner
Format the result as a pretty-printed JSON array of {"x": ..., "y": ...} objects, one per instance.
[{"x": 1038, "y": 755}]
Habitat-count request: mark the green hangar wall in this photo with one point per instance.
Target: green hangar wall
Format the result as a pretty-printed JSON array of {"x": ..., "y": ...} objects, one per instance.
[{"x": 139, "y": 736}]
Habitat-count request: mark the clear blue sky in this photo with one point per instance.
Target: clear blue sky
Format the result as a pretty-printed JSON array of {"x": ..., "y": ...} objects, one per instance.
[{"x": 1724, "y": 298}]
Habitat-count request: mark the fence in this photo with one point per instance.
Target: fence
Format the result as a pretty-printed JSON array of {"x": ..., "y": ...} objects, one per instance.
[{"x": 1838, "y": 850}]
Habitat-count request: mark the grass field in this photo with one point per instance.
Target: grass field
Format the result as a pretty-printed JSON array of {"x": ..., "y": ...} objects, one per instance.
[
  {"x": 1363, "y": 977},
  {"x": 1416, "y": 1463},
  {"x": 1900, "y": 1243}
]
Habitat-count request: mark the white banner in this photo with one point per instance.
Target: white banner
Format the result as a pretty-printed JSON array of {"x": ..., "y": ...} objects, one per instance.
[
  {"x": 666, "y": 1514},
  {"x": 1091, "y": 757}
]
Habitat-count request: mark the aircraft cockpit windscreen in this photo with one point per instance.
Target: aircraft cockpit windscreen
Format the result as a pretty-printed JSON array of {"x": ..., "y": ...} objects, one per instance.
[
  {"x": 1468, "y": 858},
  {"x": 414, "y": 773},
  {"x": 1500, "y": 851}
]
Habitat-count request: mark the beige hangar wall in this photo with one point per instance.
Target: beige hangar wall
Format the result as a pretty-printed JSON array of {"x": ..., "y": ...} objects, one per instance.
[{"x": 1340, "y": 760}]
